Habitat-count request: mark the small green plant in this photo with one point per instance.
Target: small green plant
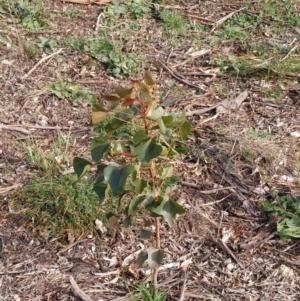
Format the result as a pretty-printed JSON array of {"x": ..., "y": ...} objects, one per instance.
[
  {"x": 30, "y": 50},
  {"x": 49, "y": 206},
  {"x": 51, "y": 160},
  {"x": 260, "y": 135},
  {"x": 133, "y": 154},
  {"x": 135, "y": 9},
  {"x": 141, "y": 292},
  {"x": 72, "y": 13},
  {"x": 173, "y": 22},
  {"x": 287, "y": 207},
  {"x": 72, "y": 93},
  {"x": 45, "y": 44},
  {"x": 110, "y": 54}
]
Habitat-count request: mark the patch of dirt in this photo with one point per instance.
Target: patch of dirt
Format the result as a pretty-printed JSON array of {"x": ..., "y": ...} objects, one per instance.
[{"x": 232, "y": 247}]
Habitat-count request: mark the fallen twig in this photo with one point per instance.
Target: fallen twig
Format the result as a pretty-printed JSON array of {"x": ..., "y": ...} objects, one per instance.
[
  {"x": 88, "y": 2},
  {"x": 159, "y": 64},
  {"x": 6, "y": 189},
  {"x": 205, "y": 191},
  {"x": 286, "y": 56},
  {"x": 183, "y": 285},
  {"x": 14, "y": 128},
  {"x": 219, "y": 243},
  {"x": 77, "y": 291},
  {"x": 222, "y": 20},
  {"x": 42, "y": 60}
]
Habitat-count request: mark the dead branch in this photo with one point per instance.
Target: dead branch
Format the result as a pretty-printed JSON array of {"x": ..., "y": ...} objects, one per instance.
[
  {"x": 77, "y": 291},
  {"x": 44, "y": 59},
  {"x": 159, "y": 65}
]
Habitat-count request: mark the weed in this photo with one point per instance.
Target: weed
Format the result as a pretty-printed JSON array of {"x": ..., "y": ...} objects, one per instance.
[
  {"x": 134, "y": 9},
  {"x": 173, "y": 22},
  {"x": 54, "y": 208},
  {"x": 52, "y": 160},
  {"x": 260, "y": 135},
  {"x": 287, "y": 207},
  {"x": 72, "y": 13},
  {"x": 141, "y": 292},
  {"x": 72, "y": 93},
  {"x": 30, "y": 50},
  {"x": 45, "y": 44},
  {"x": 110, "y": 54}
]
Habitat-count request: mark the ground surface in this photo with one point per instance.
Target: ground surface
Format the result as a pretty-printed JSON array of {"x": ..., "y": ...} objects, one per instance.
[{"x": 239, "y": 152}]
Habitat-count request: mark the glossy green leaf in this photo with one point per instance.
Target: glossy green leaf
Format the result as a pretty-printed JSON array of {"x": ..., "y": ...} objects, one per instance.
[
  {"x": 139, "y": 137},
  {"x": 100, "y": 189},
  {"x": 127, "y": 222},
  {"x": 139, "y": 185},
  {"x": 145, "y": 235},
  {"x": 185, "y": 129},
  {"x": 155, "y": 257},
  {"x": 134, "y": 203},
  {"x": 142, "y": 257},
  {"x": 146, "y": 151},
  {"x": 122, "y": 92},
  {"x": 111, "y": 97},
  {"x": 168, "y": 209},
  {"x": 81, "y": 166},
  {"x": 99, "y": 148},
  {"x": 99, "y": 113},
  {"x": 116, "y": 176}
]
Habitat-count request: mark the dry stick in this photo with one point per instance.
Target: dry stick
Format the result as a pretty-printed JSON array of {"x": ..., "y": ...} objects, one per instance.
[
  {"x": 201, "y": 111},
  {"x": 183, "y": 285},
  {"x": 293, "y": 49},
  {"x": 205, "y": 191},
  {"x": 77, "y": 291},
  {"x": 44, "y": 59},
  {"x": 222, "y": 20},
  {"x": 219, "y": 243},
  {"x": 13, "y": 128},
  {"x": 176, "y": 76},
  {"x": 70, "y": 246}
]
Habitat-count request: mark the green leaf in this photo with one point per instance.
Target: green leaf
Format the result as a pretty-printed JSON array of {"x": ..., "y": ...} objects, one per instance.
[
  {"x": 168, "y": 209},
  {"x": 142, "y": 257},
  {"x": 185, "y": 129},
  {"x": 127, "y": 222},
  {"x": 139, "y": 137},
  {"x": 167, "y": 172},
  {"x": 111, "y": 97},
  {"x": 158, "y": 112},
  {"x": 100, "y": 189},
  {"x": 116, "y": 176},
  {"x": 146, "y": 235},
  {"x": 155, "y": 257},
  {"x": 99, "y": 147},
  {"x": 99, "y": 113},
  {"x": 123, "y": 92},
  {"x": 146, "y": 151},
  {"x": 167, "y": 120},
  {"x": 141, "y": 87},
  {"x": 139, "y": 185},
  {"x": 148, "y": 78},
  {"x": 81, "y": 166},
  {"x": 134, "y": 204}
]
